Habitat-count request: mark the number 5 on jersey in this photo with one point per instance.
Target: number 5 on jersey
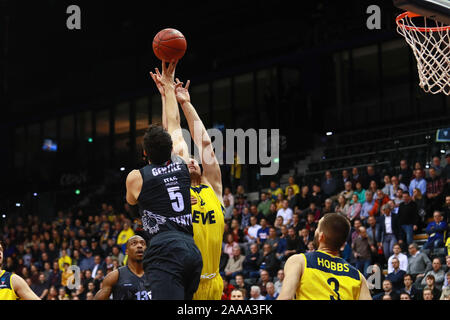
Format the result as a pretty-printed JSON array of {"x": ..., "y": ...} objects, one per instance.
[{"x": 177, "y": 198}]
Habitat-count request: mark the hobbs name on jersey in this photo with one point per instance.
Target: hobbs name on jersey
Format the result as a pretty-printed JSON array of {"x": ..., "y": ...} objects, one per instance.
[
  {"x": 332, "y": 265},
  {"x": 173, "y": 167}
]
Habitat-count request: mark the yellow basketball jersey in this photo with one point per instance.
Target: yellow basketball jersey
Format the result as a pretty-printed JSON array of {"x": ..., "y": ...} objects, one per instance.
[
  {"x": 208, "y": 223},
  {"x": 327, "y": 277},
  {"x": 6, "y": 289}
]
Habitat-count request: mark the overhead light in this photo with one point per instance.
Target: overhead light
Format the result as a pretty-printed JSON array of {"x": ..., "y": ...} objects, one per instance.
[
  {"x": 329, "y": 133},
  {"x": 17, "y": 204}
]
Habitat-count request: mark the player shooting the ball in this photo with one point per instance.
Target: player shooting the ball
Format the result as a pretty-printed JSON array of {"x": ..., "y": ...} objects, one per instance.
[
  {"x": 172, "y": 261},
  {"x": 207, "y": 214}
]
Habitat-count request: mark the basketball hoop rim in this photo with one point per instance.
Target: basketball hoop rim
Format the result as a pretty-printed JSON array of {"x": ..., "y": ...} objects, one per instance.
[{"x": 399, "y": 21}]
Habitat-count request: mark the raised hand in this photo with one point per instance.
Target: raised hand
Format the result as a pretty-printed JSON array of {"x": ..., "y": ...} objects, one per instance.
[
  {"x": 168, "y": 73},
  {"x": 157, "y": 79},
  {"x": 182, "y": 93},
  {"x": 165, "y": 80}
]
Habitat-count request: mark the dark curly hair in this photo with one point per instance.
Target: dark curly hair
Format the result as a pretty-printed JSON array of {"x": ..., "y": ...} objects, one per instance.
[{"x": 157, "y": 144}]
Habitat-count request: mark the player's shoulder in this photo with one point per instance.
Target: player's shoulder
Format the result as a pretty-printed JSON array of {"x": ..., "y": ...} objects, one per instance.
[
  {"x": 215, "y": 192},
  {"x": 204, "y": 185},
  {"x": 134, "y": 175},
  {"x": 112, "y": 277},
  {"x": 299, "y": 258},
  {"x": 16, "y": 281}
]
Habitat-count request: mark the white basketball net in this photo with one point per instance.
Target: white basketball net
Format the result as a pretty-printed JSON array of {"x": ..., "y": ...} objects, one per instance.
[{"x": 430, "y": 43}]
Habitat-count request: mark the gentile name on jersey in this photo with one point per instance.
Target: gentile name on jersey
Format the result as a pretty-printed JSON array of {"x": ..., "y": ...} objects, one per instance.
[
  {"x": 185, "y": 220},
  {"x": 173, "y": 167}
]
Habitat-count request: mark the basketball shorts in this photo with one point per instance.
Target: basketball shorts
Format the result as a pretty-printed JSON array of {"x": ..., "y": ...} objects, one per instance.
[{"x": 173, "y": 266}]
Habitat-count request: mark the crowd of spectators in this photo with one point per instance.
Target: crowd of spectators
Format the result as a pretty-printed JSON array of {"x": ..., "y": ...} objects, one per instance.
[
  {"x": 43, "y": 252},
  {"x": 385, "y": 213}
]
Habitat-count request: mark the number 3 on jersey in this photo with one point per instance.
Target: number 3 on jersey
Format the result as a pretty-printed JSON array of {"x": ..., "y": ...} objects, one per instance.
[
  {"x": 336, "y": 288},
  {"x": 177, "y": 198}
]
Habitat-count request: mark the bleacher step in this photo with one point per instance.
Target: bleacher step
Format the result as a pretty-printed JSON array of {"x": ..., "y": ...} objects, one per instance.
[{"x": 422, "y": 236}]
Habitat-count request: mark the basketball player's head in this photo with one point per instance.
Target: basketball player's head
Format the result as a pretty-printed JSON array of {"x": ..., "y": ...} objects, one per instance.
[
  {"x": 332, "y": 232},
  {"x": 157, "y": 144},
  {"x": 136, "y": 246},
  {"x": 194, "y": 169}
]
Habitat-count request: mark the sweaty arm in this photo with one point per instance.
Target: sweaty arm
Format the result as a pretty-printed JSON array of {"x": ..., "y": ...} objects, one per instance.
[
  {"x": 107, "y": 285},
  {"x": 21, "y": 288},
  {"x": 211, "y": 168},
  {"x": 293, "y": 271}
]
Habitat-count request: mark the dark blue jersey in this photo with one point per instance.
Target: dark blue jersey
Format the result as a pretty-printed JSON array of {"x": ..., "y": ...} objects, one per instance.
[
  {"x": 129, "y": 286},
  {"x": 165, "y": 201}
]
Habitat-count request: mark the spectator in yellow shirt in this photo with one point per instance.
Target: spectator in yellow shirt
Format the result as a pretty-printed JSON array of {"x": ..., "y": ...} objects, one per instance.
[
  {"x": 274, "y": 191},
  {"x": 65, "y": 274},
  {"x": 64, "y": 259},
  {"x": 124, "y": 235},
  {"x": 447, "y": 244},
  {"x": 292, "y": 184}
]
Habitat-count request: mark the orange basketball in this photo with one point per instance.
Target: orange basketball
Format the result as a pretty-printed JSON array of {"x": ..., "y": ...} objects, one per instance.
[{"x": 169, "y": 44}]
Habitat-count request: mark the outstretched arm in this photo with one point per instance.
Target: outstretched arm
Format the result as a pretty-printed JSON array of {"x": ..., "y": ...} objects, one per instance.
[
  {"x": 22, "y": 289},
  {"x": 211, "y": 168},
  {"x": 171, "y": 115}
]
